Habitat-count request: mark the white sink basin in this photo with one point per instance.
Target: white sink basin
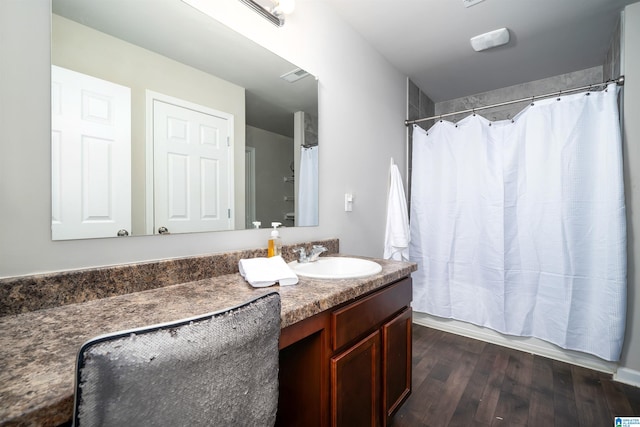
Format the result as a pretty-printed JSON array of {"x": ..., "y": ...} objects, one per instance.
[{"x": 336, "y": 268}]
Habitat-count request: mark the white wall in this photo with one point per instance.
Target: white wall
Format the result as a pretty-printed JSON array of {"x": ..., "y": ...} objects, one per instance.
[{"x": 362, "y": 108}]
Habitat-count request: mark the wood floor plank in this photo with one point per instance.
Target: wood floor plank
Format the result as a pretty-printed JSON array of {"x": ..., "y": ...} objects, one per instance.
[
  {"x": 438, "y": 380},
  {"x": 590, "y": 400},
  {"x": 491, "y": 393},
  {"x": 617, "y": 401},
  {"x": 429, "y": 416},
  {"x": 513, "y": 404},
  {"x": 541, "y": 411},
  {"x": 458, "y": 381},
  {"x": 633, "y": 396},
  {"x": 454, "y": 388},
  {"x": 424, "y": 359},
  {"x": 469, "y": 401},
  {"x": 564, "y": 403},
  {"x": 405, "y": 419},
  {"x": 465, "y": 413}
]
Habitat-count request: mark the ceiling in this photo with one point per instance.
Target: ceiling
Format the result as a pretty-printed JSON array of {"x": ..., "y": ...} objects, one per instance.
[{"x": 428, "y": 40}]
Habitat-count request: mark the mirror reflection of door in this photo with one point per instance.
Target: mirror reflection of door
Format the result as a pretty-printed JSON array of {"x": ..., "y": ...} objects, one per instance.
[
  {"x": 91, "y": 156},
  {"x": 192, "y": 167}
]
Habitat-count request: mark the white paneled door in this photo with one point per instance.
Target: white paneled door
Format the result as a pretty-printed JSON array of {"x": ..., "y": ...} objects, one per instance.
[
  {"x": 192, "y": 168},
  {"x": 91, "y": 156}
]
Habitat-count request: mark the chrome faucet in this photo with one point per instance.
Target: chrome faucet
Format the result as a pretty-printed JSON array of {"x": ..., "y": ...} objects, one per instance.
[{"x": 315, "y": 252}]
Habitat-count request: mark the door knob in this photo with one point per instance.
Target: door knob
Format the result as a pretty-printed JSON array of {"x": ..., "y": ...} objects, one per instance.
[
  {"x": 123, "y": 233},
  {"x": 163, "y": 230}
]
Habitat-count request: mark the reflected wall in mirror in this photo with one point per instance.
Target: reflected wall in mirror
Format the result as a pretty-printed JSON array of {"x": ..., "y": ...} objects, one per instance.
[{"x": 166, "y": 121}]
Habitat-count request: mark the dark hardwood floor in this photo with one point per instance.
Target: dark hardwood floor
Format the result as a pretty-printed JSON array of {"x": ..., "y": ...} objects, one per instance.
[{"x": 459, "y": 381}]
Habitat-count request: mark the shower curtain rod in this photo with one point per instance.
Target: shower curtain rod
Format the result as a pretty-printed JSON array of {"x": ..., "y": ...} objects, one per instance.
[{"x": 619, "y": 81}]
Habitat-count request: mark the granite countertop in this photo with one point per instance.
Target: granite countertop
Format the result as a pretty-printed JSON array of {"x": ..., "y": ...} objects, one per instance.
[{"x": 38, "y": 349}]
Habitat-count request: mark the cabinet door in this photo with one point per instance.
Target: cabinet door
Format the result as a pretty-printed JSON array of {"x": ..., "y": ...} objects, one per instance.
[
  {"x": 396, "y": 362},
  {"x": 355, "y": 384}
]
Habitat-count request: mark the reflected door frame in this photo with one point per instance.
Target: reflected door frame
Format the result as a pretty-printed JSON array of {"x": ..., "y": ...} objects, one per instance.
[{"x": 250, "y": 186}]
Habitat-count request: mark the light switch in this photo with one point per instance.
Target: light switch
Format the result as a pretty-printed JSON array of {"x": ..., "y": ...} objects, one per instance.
[{"x": 348, "y": 202}]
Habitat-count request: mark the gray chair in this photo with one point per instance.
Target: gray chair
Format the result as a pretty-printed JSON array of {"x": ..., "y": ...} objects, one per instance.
[{"x": 218, "y": 369}]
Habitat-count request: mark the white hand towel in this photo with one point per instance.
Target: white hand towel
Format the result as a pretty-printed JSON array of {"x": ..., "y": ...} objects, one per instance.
[
  {"x": 261, "y": 272},
  {"x": 397, "y": 236}
]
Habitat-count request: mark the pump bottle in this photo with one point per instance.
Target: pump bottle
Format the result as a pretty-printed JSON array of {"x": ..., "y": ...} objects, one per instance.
[{"x": 275, "y": 244}]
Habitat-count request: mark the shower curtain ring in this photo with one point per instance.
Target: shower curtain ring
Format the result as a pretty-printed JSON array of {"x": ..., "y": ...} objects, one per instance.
[{"x": 559, "y": 94}]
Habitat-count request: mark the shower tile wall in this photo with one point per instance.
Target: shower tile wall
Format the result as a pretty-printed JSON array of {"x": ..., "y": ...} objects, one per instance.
[
  {"x": 537, "y": 87},
  {"x": 310, "y": 129},
  {"x": 420, "y": 105},
  {"x": 613, "y": 60}
]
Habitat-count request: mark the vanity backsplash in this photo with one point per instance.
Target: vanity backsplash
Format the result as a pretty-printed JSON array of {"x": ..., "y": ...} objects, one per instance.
[{"x": 29, "y": 293}]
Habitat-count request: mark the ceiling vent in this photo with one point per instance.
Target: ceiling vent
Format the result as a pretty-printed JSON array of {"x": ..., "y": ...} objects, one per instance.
[{"x": 294, "y": 75}]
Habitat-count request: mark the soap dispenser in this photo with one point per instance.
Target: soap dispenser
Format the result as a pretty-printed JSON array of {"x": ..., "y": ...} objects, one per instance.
[{"x": 275, "y": 244}]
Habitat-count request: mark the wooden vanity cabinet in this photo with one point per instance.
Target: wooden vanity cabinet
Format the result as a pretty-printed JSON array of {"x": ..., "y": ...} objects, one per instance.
[
  {"x": 349, "y": 366},
  {"x": 396, "y": 366}
]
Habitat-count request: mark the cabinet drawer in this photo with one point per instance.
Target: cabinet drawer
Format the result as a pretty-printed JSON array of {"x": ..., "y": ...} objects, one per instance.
[{"x": 356, "y": 319}]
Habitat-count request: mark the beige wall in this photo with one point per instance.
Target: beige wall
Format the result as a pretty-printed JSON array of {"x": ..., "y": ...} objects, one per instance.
[
  {"x": 631, "y": 152},
  {"x": 91, "y": 52}
]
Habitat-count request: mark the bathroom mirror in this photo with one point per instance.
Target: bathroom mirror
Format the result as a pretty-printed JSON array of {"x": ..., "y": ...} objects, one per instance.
[{"x": 166, "y": 121}]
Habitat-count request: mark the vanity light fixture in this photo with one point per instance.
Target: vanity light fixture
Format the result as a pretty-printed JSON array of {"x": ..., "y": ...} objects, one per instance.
[
  {"x": 489, "y": 40},
  {"x": 469, "y": 3},
  {"x": 272, "y": 10},
  {"x": 284, "y": 7}
]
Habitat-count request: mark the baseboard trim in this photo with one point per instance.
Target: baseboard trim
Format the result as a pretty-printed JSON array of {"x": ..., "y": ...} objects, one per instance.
[
  {"x": 526, "y": 344},
  {"x": 627, "y": 376}
]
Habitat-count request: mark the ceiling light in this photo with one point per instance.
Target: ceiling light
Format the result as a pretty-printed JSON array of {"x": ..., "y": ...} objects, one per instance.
[
  {"x": 272, "y": 10},
  {"x": 284, "y": 6},
  {"x": 491, "y": 39}
]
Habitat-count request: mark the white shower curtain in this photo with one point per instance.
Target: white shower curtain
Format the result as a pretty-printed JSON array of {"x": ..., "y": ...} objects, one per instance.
[
  {"x": 519, "y": 225},
  {"x": 307, "y": 214}
]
